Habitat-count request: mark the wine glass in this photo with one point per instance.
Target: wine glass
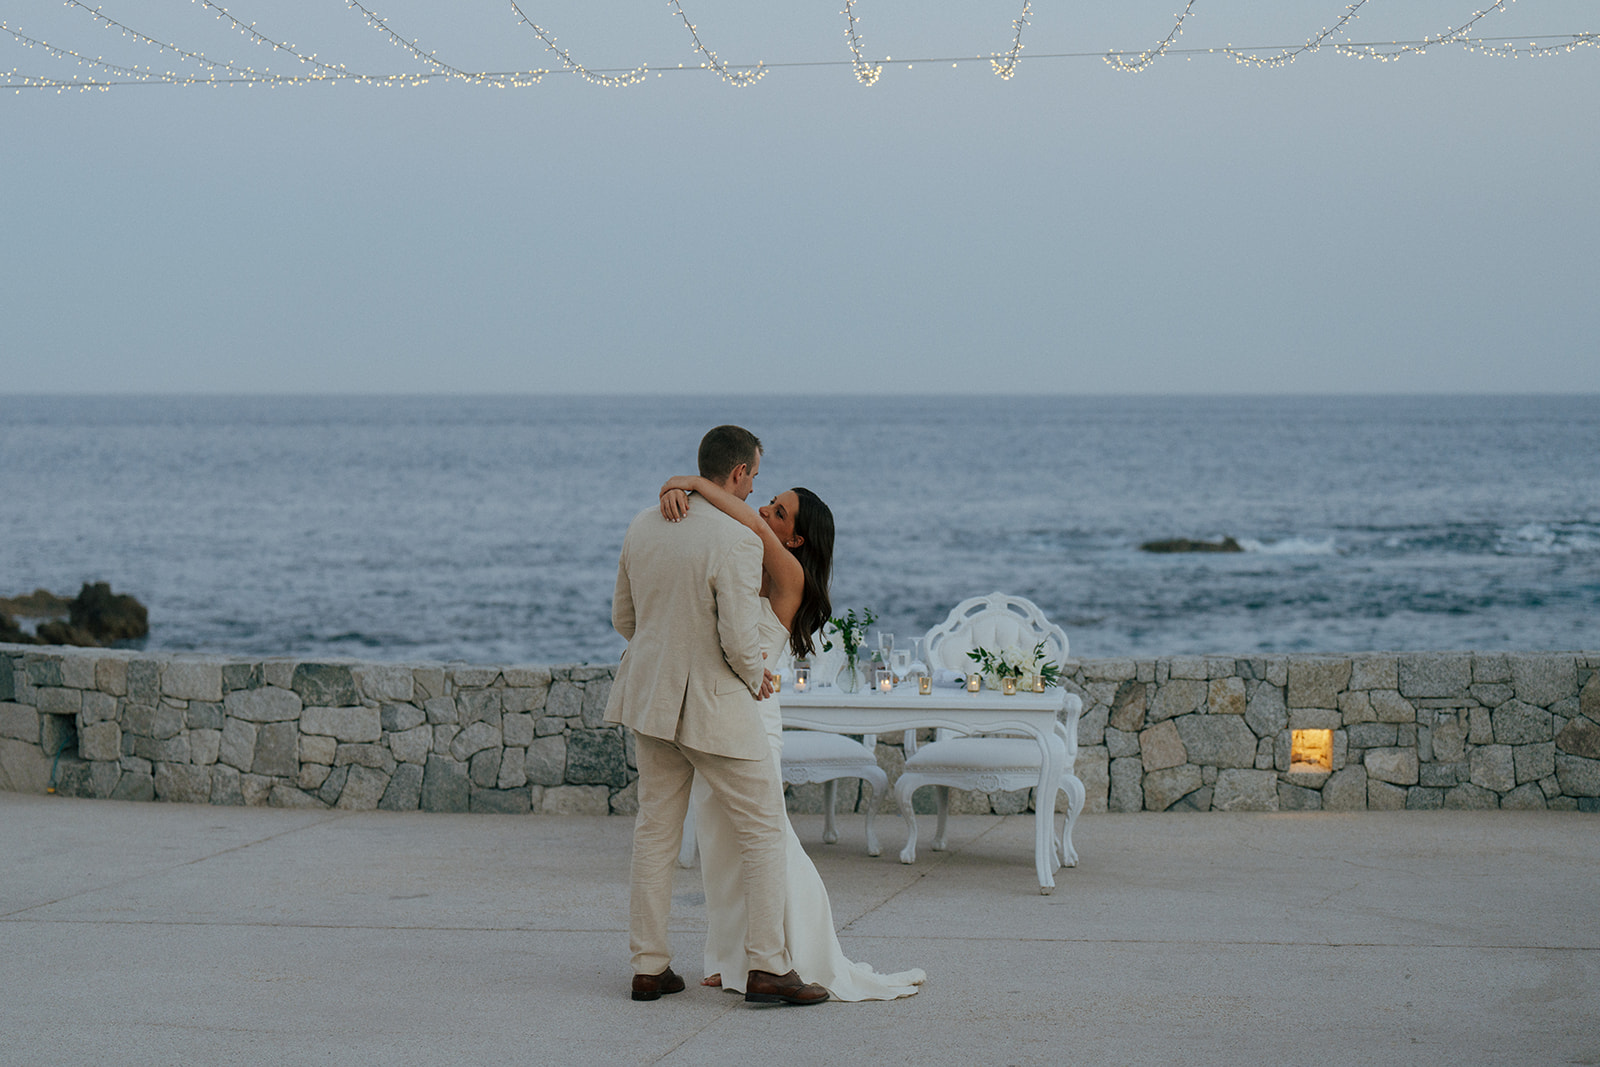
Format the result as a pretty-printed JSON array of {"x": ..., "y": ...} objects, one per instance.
[{"x": 902, "y": 664}]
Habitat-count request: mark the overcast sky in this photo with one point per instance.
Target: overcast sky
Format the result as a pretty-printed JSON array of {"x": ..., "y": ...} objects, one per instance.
[{"x": 1333, "y": 225}]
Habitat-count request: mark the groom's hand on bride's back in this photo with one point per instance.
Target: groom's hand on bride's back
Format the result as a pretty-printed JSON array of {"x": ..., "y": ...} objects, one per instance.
[{"x": 768, "y": 680}]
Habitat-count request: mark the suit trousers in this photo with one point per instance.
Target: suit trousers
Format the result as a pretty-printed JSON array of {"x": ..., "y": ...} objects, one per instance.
[{"x": 751, "y": 791}]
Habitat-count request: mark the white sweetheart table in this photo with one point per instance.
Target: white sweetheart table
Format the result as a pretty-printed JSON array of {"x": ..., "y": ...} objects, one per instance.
[{"x": 1035, "y": 715}]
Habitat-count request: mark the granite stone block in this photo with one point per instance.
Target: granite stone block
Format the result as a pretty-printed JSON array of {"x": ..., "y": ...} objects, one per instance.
[
  {"x": 398, "y": 718},
  {"x": 412, "y": 746},
  {"x": 1163, "y": 788},
  {"x": 1397, "y": 766},
  {"x": 445, "y": 785},
  {"x": 1217, "y": 740},
  {"x": 1128, "y": 707},
  {"x": 1245, "y": 790},
  {"x": 1346, "y": 790},
  {"x": 596, "y": 757},
  {"x": 1126, "y": 788},
  {"x": 1161, "y": 747},
  {"x": 315, "y": 748},
  {"x": 1381, "y": 796},
  {"x": 515, "y": 801},
  {"x": 1542, "y": 678},
  {"x": 1519, "y": 723},
  {"x": 1469, "y": 797},
  {"x": 182, "y": 783},
  {"x": 277, "y": 750},
  {"x": 186, "y": 679},
  {"x": 478, "y": 705},
  {"x": 324, "y": 685},
  {"x": 363, "y": 789},
  {"x": 267, "y": 704},
  {"x": 1317, "y": 683},
  {"x": 352, "y": 725},
  {"x": 1435, "y": 674},
  {"x": 1176, "y": 697},
  {"x": 404, "y": 792}
]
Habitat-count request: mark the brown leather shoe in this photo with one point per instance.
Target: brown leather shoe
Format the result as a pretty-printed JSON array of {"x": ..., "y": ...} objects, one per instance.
[
  {"x": 652, "y": 986},
  {"x": 764, "y": 987}
]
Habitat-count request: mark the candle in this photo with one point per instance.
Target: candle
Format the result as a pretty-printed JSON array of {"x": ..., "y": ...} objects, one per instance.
[
  {"x": 973, "y": 682},
  {"x": 885, "y": 680},
  {"x": 802, "y": 679},
  {"x": 777, "y": 682},
  {"x": 924, "y": 685},
  {"x": 1008, "y": 685},
  {"x": 1038, "y": 683}
]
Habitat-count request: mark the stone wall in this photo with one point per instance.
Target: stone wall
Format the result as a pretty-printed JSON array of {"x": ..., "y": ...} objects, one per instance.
[
  {"x": 1410, "y": 731},
  {"x": 1417, "y": 730}
]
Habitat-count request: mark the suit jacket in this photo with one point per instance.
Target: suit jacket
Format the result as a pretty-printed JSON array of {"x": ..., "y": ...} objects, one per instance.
[{"x": 688, "y": 603}]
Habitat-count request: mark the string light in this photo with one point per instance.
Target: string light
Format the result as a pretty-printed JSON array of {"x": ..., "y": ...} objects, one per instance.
[
  {"x": 1286, "y": 56},
  {"x": 867, "y": 73},
  {"x": 610, "y": 81},
  {"x": 520, "y": 80},
  {"x": 1008, "y": 66},
  {"x": 222, "y": 72},
  {"x": 739, "y": 78},
  {"x": 1398, "y": 49},
  {"x": 1144, "y": 59}
]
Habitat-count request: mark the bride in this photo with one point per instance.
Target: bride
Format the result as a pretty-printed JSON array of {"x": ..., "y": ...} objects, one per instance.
[{"x": 796, "y": 531}]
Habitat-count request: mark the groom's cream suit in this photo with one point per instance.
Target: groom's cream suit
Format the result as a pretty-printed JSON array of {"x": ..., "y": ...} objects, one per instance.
[{"x": 687, "y": 602}]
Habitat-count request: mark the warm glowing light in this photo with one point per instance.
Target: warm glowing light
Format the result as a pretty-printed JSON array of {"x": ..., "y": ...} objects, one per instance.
[{"x": 1311, "y": 750}]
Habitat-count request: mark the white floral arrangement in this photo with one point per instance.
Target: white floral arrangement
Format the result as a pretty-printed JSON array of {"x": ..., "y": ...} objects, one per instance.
[{"x": 1015, "y": 662}]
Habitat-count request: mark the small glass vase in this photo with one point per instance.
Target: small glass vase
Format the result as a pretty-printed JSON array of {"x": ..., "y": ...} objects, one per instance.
[{"x": 849, "y": 679}]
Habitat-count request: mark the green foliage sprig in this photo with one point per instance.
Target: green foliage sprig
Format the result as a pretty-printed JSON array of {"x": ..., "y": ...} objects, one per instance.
[
  {"x": 851, "y": 631},
  {"x": 1012, "y": 662}
]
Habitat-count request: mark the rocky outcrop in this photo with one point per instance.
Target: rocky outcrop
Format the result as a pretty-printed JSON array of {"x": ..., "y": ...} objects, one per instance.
[
  {"x": 95, "y": 618},
  {"x": 1183, "y": 544}
]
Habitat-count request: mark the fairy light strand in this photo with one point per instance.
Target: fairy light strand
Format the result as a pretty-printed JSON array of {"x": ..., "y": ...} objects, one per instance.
[
  {"x": 1398, "y": 49},
  {"x": 1285, "y": 56},
  {"x": 377, "y": 22},
  {"x": 1142, "y": 61},
  {"x": 593, "y": 77},
  {"x": 738, "y": 78},
  {"x": 221, "y": 72},
  {"x": 1007, "y": 67},
  {"x": 867, "y": 72}
]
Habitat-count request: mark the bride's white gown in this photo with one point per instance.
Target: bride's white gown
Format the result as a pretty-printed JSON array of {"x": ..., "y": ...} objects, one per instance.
[{"x": 807, "y": 917}]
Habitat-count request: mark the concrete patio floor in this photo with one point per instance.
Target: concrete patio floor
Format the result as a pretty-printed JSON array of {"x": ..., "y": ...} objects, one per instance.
[{"x": 143, "y": 933}]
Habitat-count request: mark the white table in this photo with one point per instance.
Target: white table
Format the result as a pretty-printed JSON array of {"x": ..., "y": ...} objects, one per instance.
[{"x": 1034, "y": 714}]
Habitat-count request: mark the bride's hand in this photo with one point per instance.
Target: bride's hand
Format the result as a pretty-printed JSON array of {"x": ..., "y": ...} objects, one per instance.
[
  {"x": 675, "y": 496},
  {"x": 674, "y": 504}
]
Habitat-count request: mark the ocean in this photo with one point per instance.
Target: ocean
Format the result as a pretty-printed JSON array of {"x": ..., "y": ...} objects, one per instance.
[{"x": 486, "y": 529}]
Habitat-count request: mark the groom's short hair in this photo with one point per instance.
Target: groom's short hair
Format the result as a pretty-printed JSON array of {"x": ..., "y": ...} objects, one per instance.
[{"x": 724, "y": 448}]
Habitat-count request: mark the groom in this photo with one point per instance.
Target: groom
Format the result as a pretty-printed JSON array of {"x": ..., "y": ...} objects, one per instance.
[{"x": 687, "y": 602}]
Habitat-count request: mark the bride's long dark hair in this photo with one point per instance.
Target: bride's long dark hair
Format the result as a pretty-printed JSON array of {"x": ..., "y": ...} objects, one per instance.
[{"x": 813, "y": 522}]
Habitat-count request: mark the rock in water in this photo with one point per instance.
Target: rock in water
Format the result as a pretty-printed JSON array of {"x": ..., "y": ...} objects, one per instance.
[
  {"x": 1183, "y": 544},
  {"x": 12, "y": 634},
  {"x": 109, "y": 616},
  {"x": 96, "y": 617}
]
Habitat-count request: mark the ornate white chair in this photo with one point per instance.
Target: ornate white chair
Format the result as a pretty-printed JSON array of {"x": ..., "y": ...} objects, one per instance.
[
  {"x": 992, "y": 762},
  {"x": 817, "y": 756}
]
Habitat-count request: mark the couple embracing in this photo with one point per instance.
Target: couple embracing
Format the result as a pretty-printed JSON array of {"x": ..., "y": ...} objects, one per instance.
[{"x": 710, "y": 595}]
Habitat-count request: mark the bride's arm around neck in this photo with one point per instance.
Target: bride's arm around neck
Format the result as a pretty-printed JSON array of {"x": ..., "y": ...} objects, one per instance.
[{"x": 785, "y": 580}]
